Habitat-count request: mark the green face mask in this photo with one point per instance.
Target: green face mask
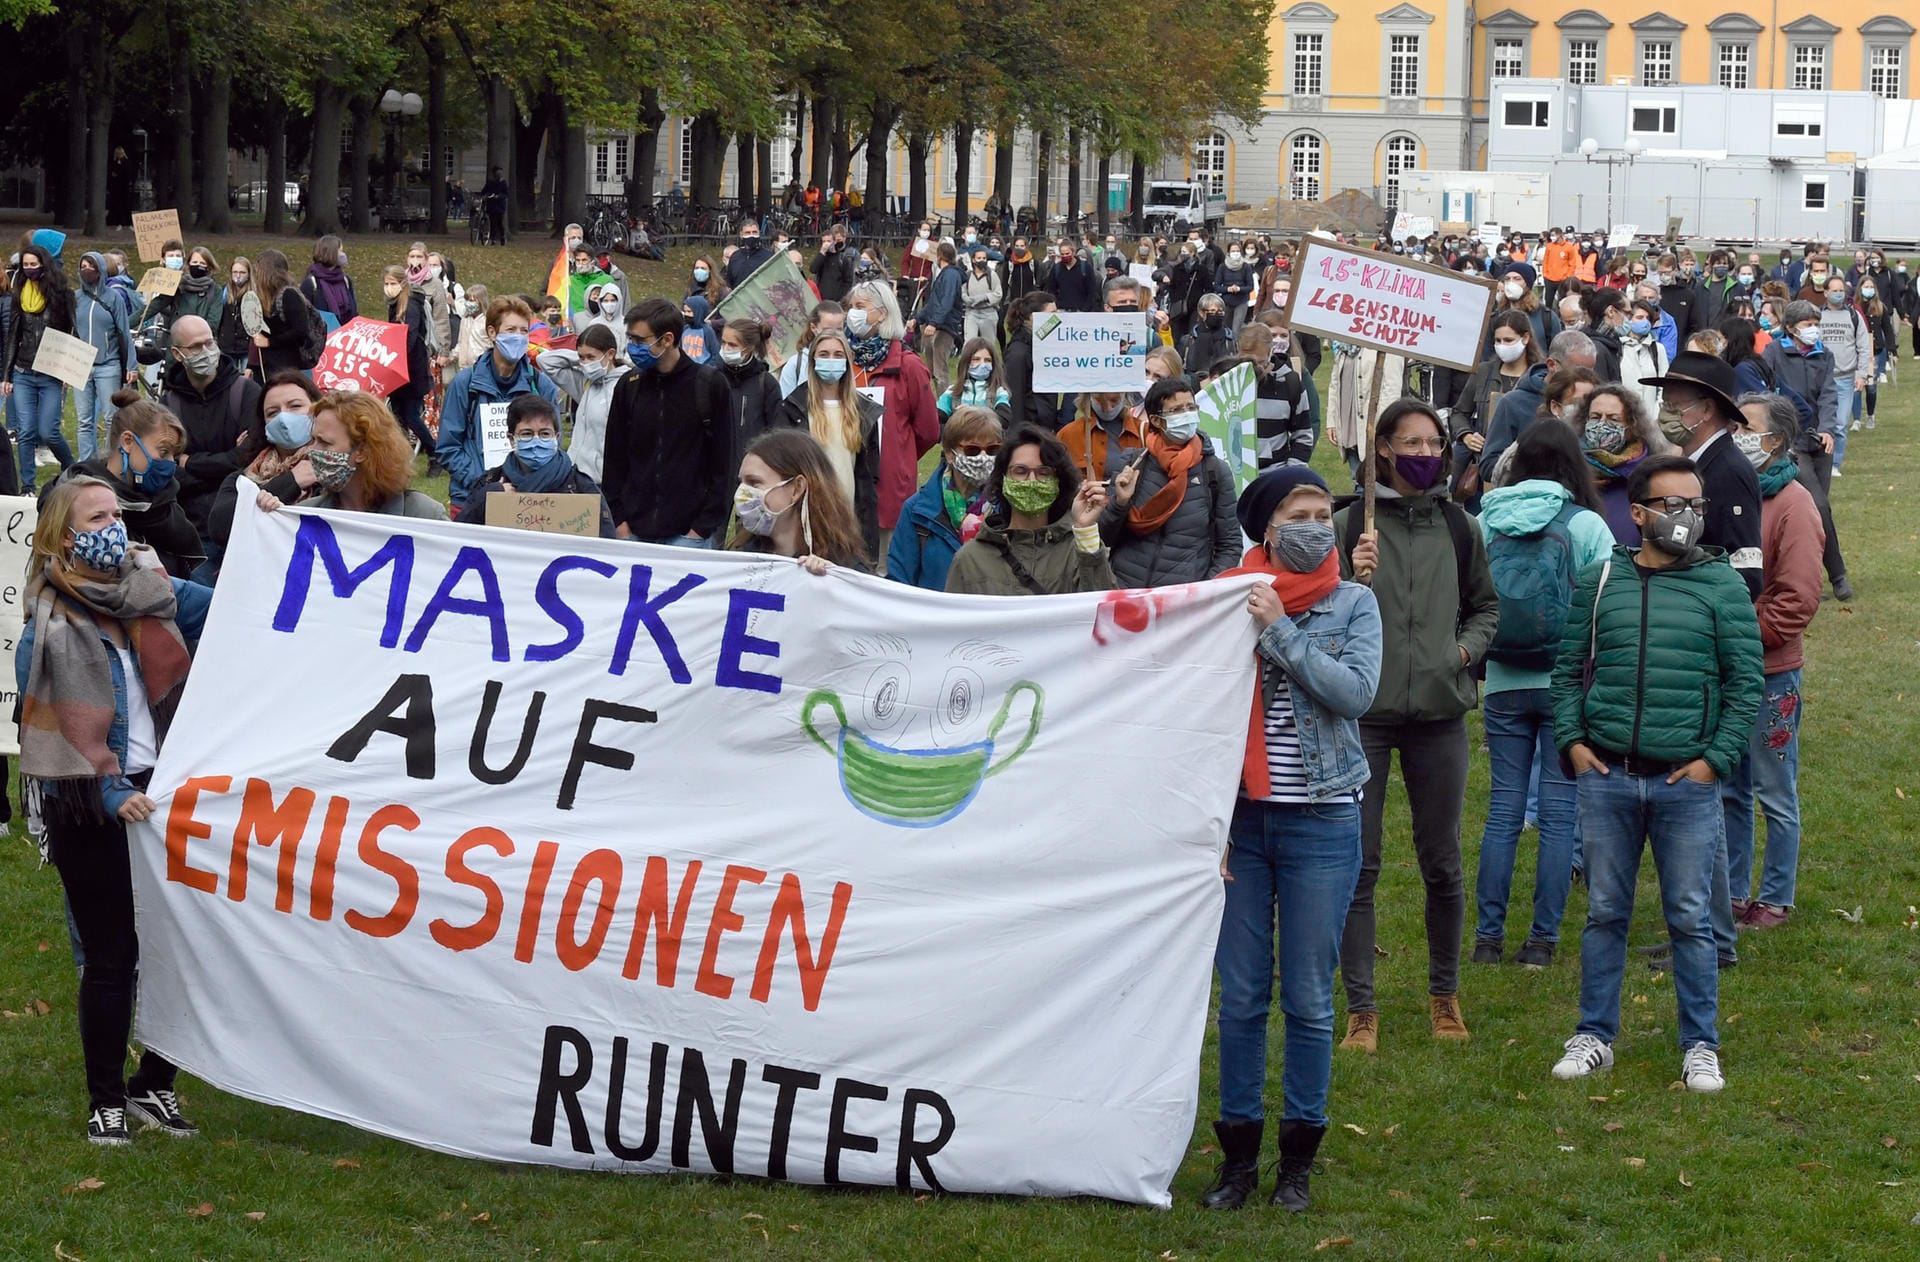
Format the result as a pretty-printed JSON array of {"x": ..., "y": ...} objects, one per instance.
[
  {"x": 915, "y": 788},
  {"x": 1031, "y": 497}
]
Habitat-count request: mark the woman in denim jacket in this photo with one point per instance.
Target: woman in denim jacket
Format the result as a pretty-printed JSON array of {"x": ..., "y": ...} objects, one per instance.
[
  {"x": 101, "y": 662},
  {"x": 1295, "y": 840}
]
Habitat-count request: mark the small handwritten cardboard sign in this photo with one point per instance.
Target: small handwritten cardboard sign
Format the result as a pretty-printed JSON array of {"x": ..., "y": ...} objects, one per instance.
[
  {"x": 66, "y": 357},
  {"x": 160, "y": 280},
  {"x": 551, "y": 514},
  {"x": 153, "y": 229}
]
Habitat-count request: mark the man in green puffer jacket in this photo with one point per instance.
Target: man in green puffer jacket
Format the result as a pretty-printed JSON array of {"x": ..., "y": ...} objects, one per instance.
[{"x": 1669, "y": 635}]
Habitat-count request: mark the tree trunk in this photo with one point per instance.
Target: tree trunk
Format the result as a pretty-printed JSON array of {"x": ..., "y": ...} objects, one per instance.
[
  {"x": 879, "y": 148},
  {"x": 962, "y": 173},
  {"x": 745, "y": 147},
  {"x": 817, "y": 170},
  {"x": 709, "y": 156},
  {"x": 799, "y": 155},
  {"x": 436, "y": 134},
  {"x": 216, "y": 97},
  {"x": 842, "y": 156},
  {"x": 323, "y": 179},
  {"x": 1137, "y": 192},
  {"x": 1073, "y": 182},
  {"x": 99, "y": 131},
  {"x": 919, "y": 144},
  {"x": 501, "y": 116},
  {"x": 572, "y": 176},
  {"x": 1103, "y": 177},
  {"x": 524, "y": 173},
  {"x": 763, "y": 192},
  {"x": 646, "y": 150},
  {"x": 180, "y": 121},
  {"x": 1042, "y": 181},
  {"x": 1003, "y": 162},
  {"x": 360, "y": 164},
  {"x": 555, "y": 156},
  {"x": 276, "y": 216}
]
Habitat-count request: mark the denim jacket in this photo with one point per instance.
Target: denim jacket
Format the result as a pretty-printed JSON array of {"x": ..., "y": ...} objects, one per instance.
[
  {"x": 190, "y": 617},
  {"x": 1331, "y": 657}
]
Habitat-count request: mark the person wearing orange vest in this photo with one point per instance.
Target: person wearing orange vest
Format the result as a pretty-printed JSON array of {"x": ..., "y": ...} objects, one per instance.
[
  {"x": 1586, "y": 266},
  {"x": 1556, "y": 264}
]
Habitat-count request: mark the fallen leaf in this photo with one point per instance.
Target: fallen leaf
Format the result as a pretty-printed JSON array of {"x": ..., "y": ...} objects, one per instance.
[
  {"x": 1598, "y": 1099},
  {"x": 1391, "y": 1129},
  {"x": 1888, "y": 1141},
  {"x": 61, "y": 1255},
  {"x": 1520, "y": 1095},
  {"x": 45, "y": 945},
  {"x": 1900, "y": 793},
  {"x": 1169, "y": 1256},
  {"x": 1894, "y": 1184},
  {"x": 1396, "y": 1194},
  {"x": 923, "y": 1198},
  {"x": 1815, "y": 1165},
  {"x": 1333, "y": 1242},
  {"x": 1358, "y": 1130},
  {"x": 257, "y": 1215},
  {"x": 1509, "y": 1042},
  {"x": 1735, "y": 1017},
  {"x": 1208, "y": 1151},
  {"x": 85, "y": 1185},
  {"x": 1685, "y": 1182},
  {"x": 1472, "y": 1242},
  {"x": 754, "y": 1217},
  {"x": 484, "y": 1216},
  {"x": 41, "y": 1006},
  {"x": 1635, "y": 1162},
  {"x": 1639, "y": 998},
  {"x": 1853, "y": 917},
  {"x": 346, "y": 1163},
  {"x": 203, "y": 1210},
  {"x": 1566, "y": 1148},
  {"x": 795, "y": 1227},
  {"x": 1611, "y": 1127}
]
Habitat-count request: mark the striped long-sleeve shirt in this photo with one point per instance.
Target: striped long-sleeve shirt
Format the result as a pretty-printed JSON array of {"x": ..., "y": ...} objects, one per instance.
[{"x": 1284, "y": 426}]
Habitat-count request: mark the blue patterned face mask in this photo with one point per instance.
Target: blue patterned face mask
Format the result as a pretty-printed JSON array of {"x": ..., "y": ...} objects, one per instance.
[{"x": 103, "y": 549}]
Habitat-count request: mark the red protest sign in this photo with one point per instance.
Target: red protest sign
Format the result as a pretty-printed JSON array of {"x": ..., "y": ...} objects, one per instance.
[{"x": 364, "y": 354}]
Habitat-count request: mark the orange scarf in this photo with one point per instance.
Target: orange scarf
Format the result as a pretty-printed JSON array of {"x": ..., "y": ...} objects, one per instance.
[
  {"x": 1146, "y": 518},
  {"x": 1298, "y": 593}
]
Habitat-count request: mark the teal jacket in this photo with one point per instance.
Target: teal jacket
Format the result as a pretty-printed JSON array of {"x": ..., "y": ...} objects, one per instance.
[
  {"x": 1676, "y": 662},
  {"x": 1527, "y": 508}
]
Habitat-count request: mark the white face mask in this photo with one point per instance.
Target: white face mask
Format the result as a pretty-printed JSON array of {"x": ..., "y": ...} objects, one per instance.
[
  {"x": 732, "y": 356},
  {"x": 1513, "y": 289},
  {"x": 857, "y": 321},
  {"x": 1509, "y": 351}
]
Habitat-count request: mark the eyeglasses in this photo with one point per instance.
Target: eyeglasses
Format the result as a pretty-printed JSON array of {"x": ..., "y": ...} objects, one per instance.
[
  {"x": 1028, "y": 473},
  {"x": 978, "y": 449},
  {"x": 1675, "y": 503},
  {"x": 1419, "y": 446}
]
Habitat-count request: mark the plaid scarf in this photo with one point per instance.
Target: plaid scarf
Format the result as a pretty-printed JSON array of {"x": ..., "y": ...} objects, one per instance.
[{"x": 80, "y": 620}]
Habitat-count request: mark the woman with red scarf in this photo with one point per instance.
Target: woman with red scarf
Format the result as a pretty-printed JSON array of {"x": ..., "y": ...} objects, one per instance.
[
  {"x": 1295, "y": 841},
  {"x": 1171, "y": 520}
]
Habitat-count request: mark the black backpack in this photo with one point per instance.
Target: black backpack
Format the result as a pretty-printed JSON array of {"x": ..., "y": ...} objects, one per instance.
[{"x": 313, "y": 339}]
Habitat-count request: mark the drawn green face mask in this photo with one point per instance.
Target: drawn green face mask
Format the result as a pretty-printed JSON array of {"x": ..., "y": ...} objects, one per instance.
[{"x": 916, "y": 788}]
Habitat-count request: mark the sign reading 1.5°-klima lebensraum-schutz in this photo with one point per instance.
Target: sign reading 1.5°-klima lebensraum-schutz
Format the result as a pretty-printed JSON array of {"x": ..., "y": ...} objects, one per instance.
[{"x": 1389, "y": 303}]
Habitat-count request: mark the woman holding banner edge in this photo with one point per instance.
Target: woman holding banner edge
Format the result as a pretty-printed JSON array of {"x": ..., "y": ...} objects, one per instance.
[
  {"x": 1294, "y": 848},
  {"x": 101, "y": 663}
]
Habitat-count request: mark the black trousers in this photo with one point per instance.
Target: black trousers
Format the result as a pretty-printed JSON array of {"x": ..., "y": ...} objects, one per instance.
[
  {"x": 92, "y": 859},
  {"x": 1816, "y": 474}
]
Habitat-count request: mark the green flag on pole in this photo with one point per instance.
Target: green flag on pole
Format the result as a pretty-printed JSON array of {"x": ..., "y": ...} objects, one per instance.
[
  {"x": 1227, "y": 414},
  {"x": 778, "y": 294}
]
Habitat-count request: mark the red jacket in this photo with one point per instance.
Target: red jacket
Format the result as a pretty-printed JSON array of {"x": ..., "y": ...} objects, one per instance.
[
  {"x": 1791, "y": 543},
  {"x": 909, "y": 427}
]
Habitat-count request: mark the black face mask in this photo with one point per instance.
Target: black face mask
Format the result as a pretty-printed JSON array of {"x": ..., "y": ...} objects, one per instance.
[
  {"x": 197, "y": 270},
  {"x": 1215, "y": 319}
]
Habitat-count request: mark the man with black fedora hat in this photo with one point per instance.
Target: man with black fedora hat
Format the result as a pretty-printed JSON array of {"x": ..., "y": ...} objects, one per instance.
[{"x": 1696, "y": 412}]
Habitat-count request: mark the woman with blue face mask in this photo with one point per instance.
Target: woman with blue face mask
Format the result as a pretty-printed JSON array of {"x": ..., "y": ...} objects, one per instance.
[
  {"x": 101, "y": 661},
  {"x": 1171, "y": 520},
  {"x": 139, "y": 462},
  {"x": 478, "y": 397},
  {"x": 535, "y": 465},
  {"x": 1641, "y": 354},
  {"x": 272, "y": 455}
]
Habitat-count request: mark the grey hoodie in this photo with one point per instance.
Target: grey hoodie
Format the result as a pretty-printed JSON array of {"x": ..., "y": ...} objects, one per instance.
[{"x": 100, "y": 320}]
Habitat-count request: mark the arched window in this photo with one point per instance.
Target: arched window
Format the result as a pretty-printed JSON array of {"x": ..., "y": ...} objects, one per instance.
[
  {"x": 1306, "y": 165},
  {"x": 1402, "y": 154},
  {"x": 1210, "y": 162}
]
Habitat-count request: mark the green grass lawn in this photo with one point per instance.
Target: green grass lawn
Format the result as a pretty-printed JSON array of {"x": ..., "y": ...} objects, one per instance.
[{"x": 1436, "y": 1150}]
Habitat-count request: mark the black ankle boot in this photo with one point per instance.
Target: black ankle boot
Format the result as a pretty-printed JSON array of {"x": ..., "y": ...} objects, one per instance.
[
  {"x": 1239, "y": 1167},
  {"x": 1298, "y": 1144}
]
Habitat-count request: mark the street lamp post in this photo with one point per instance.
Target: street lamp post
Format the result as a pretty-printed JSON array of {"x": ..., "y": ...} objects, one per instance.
[
  {"x": 1590, "y": 149},
  {"x": 397, "y": 106}
]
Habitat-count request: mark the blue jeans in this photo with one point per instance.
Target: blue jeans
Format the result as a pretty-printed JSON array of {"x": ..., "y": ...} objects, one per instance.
[
  {"x": 1681, "y": 823},
  {"x": 94, "y": 406},
  {"x": 1771, "y": 772},
  {"x": 36, "y": 409},
  {"x": 1520, "y": 744},
  {"x": 1845, "y": 398},
  {"x": 1301, "y": 862}
]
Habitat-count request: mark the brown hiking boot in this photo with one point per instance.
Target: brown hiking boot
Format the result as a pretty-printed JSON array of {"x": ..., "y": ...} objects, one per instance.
[
  {"x": 1363, "y": 1033},
  {"x": 1447, "y": 1021}
]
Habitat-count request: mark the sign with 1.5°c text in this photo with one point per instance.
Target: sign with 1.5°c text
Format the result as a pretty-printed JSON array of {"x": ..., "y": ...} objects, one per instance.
[
  {"x": 621, "y": 857},
  {"x": 1077, "y": 351},
  {"x": 1389, "y": 303}
]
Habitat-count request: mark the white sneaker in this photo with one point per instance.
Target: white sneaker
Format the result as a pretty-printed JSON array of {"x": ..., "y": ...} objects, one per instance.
[
  {"x": 1870, "y": 424},
  {"x": 1883, "y": 379},
  {"x": 1700, "y": 1069},
  {"x": 42, "y": 458},
  {"x": 1854, "y": 428},
  {"x": 1836, "y": 473},
  {"x": 1585, "y": 1055}
]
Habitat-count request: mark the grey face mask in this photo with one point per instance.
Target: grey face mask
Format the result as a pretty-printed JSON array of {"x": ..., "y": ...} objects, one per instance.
[
  {"x": 204, "y": 362},
  {"x": 1300, "y": 546}
]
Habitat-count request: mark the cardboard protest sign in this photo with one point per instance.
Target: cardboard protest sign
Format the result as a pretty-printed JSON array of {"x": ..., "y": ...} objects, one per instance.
[
  {"x": 1389, "y": 303},
  {"x": 153, "y": 229},
  {"x": 496, "y": 442},
  {"x": 18, "y": 513},
  {"x": 620, "y": 857},
  {"x": 777, "y": 292},
  {"x": 66, "y": 357},
  {"x": 364, "y": 354},
  {"x": 1227, "y": 418},
  {"x": 550, "y": 514},
  {"x": 1622, "y": 236},
  {"x": 1076, "y": 351},
  {"x": 1412, "y": 227},
  {"x": 160, "y": 280}
]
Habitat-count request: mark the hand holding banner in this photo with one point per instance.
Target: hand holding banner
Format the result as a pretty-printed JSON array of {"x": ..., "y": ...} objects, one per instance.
[{"x": 160, "y": 280}]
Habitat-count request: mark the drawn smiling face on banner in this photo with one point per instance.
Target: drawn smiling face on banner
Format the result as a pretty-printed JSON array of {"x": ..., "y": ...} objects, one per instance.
[{"x": 918, "y": 761}]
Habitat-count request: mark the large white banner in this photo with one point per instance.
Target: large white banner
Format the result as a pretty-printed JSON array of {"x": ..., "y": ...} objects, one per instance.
[
  {"x": 603, "y": 855},
  {"x": 18, "y": 515}
]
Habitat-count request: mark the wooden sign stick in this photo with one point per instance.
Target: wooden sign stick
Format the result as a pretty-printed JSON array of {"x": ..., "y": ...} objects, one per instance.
[{"x": 1368, "y": 478}]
